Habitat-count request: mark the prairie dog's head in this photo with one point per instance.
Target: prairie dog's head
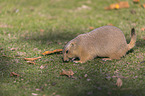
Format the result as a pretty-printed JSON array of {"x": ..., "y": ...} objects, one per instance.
[{"x": 69, "y": 51}]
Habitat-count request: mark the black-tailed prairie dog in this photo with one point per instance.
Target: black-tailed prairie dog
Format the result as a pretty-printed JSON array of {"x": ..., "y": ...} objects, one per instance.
[{"x": 105, "y": 41}]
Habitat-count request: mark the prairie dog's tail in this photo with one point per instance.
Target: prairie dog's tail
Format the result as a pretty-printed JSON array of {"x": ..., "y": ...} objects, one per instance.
[{"x": 133, "y": 39}]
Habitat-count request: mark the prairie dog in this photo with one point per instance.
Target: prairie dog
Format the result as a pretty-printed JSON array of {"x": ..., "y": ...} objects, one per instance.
[{"x": 105, "y": 41}]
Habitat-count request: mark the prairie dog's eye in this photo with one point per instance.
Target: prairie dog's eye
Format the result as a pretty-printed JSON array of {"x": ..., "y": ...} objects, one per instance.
[{"x": 67, "y": 51}]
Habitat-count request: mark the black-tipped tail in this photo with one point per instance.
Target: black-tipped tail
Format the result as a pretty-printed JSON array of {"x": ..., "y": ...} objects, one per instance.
[
  {"x": 133, "y": 39},
  {"x": 132, "y": 32}
]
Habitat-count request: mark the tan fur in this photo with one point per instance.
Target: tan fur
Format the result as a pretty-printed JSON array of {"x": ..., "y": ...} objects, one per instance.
[{"x": 106, "y": 41}]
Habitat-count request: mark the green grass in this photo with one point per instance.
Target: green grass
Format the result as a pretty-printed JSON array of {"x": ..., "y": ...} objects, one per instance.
[{"x": 21, "y": 24}]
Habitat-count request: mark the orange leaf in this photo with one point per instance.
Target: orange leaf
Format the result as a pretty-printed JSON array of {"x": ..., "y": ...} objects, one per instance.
[
  {"x": 142, "y": 29},
  {"x": 91, "y": 28},
  {"x": 112, "y": 6},
  {"x": 31, "y": 59},
  {"x": 50, "y": 52},
  {"x": 14, "y": 74},
  {"x": 119, "y": 82},
  {"x": 124, "y": 4},
  {"x": 110, "y": 24},
  {"x": 41, "y": 30},
  {"x": 143, "y": 5},
  {"x": 119, "y": 5},
  {"x": 68, "y": 73}
]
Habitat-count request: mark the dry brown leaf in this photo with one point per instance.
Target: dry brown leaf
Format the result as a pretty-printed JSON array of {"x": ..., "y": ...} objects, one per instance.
[
  {"x": 113, "y": 6},
  {"x": 13, "y": 49},
  {"x": 42, "y": 67},
  {"x": 142, "y": 29},
  {"x": 34, "y": 94},
  {"x": 68, "y": 73},
  {"x": 110, "y": 24},
  {"x": 14, "y": 74},
  {"x": 91, "y": 28},
  {"x": 123, "y": 4},
  {"x": 31, "y": 59},
  {"x": 30, "y": 62},
  {"x": 143, "y": 5},
  {"x": 41, "y": 30},
  {"x": 136, "y": 1},
  {"x": 119, "y": 82},
  {"x": 50, "y": 52}
]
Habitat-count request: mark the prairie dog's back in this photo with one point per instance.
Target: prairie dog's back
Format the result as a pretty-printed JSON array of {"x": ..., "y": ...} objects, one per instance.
[{"x": 103, "y": 40}]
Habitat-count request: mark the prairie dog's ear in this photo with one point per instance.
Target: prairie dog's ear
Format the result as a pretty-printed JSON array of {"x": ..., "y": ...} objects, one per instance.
[{"x": 73, "y": 44}]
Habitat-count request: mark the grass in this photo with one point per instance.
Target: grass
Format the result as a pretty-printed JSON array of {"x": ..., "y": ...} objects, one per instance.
[{"x": 32, "y": 27}]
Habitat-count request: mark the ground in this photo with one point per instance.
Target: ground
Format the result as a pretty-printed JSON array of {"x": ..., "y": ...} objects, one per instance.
[{"x": 29, "y": 28}]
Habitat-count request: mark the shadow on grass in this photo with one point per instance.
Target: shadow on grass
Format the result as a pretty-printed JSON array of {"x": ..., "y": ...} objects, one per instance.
[
  {"x": 4, "y": 66},
  {"x": 53, "y": 36},
  {"x": 8, "y": 64}
]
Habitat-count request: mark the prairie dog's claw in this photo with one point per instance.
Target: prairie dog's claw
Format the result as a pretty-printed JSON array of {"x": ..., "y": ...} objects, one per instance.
[
  {"x": 78, "y": 61},
  {"x": 73, "y": 59},
  {"x": 105, "y": 59}
]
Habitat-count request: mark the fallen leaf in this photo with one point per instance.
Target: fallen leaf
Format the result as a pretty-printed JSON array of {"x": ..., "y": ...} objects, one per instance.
[
  {"x": 110, "y": 24},
  {"x": 85, "y": 75},
  {"x": 143, "y": 5},
  {"x": 68, "y": 73},
  {"x": 88, "y": 79},
  {"x": 91, "y": 28},
  {"x": 123, "y": 4},
  {"x": 119, "y": 82},
  {"x": 113, "y": 6},
  {"x": 142, "y": 29},
  {"x": 13, "y": 49},
  {"x": 41, "y": 30},
  {"x": 30, "y": 62},
  {"x": 31, "y": 59},
  {"x": 34, "y": 94},
  {"x": 42, "y": 67},
  {"x": 83, "y": 7},
  {"x": 50, "y": 52},
  {"x": 136, "y": 1},
  {"x": 14, "y": 74},
  {"x": 38, "y": 89}
]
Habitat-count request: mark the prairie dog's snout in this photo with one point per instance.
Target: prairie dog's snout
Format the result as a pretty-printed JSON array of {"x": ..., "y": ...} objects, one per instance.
[{"x": 106, "y": 41}]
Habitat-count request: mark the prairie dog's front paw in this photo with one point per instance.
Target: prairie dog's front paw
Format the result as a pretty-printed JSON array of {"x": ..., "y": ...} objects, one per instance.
[
  {"x": 78, "y": 61},
  {"x": 105, "y": 59}
]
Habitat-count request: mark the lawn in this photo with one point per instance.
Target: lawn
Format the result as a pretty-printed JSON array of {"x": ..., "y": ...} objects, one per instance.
[{"x": 31, "y": 27}]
